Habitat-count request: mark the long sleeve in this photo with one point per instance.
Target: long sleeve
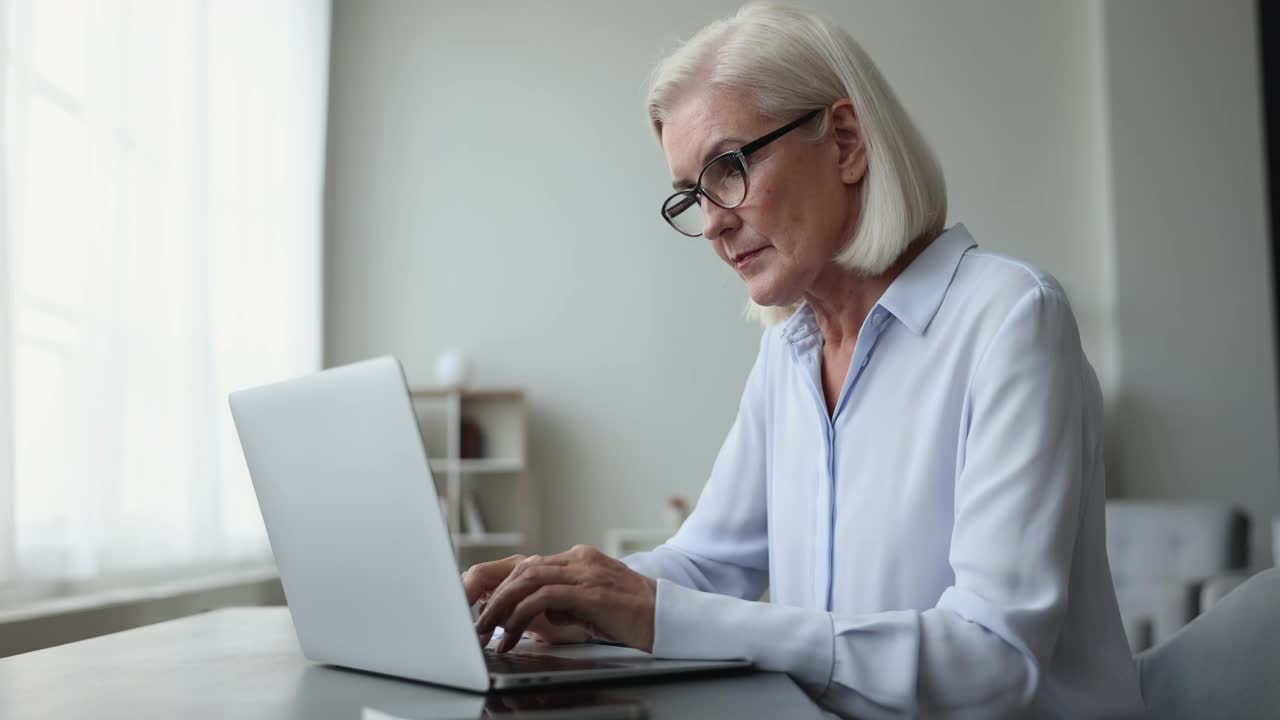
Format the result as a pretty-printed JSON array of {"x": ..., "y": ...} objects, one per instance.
[
  {"x": 1025, "y": 466},
  {"x": 723, "y": 545}
]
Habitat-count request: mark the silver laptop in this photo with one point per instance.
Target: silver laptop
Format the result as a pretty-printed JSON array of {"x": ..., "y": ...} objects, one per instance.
[{"x": 364, "y": 556}]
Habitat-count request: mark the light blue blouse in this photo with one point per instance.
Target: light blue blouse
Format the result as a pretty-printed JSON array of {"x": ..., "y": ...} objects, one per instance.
[{"x": 937, "y": 547}]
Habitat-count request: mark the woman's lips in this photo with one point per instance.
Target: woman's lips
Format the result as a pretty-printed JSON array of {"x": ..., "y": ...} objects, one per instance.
[{"x": 745, "y": 258}]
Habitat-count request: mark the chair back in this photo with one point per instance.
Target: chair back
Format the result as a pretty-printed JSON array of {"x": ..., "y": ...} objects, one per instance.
[{"x": 1225, "y": 663}]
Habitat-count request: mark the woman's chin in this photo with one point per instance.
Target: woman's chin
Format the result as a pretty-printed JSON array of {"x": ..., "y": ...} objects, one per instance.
[{"x": 769, "y": 295}]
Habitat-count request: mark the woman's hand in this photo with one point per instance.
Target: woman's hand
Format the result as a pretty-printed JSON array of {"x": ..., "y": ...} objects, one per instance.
[
  {"x": 582, "y": 588},
  {"x": 479, "y": 581}
]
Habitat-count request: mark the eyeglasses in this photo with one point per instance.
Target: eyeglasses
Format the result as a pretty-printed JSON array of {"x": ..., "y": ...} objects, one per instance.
[{"x": 723, "y": 181}]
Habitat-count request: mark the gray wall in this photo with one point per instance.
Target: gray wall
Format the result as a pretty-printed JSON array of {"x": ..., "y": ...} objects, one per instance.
[
  {"x": 492, "y": 185},
  {"x": 1196, "y": 413}
]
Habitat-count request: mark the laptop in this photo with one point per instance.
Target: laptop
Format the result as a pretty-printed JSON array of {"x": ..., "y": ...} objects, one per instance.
[{"x": 368, "y": 570}]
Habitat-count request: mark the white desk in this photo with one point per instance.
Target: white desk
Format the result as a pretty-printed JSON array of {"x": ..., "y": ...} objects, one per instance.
[{"x": 244, "y": 663}]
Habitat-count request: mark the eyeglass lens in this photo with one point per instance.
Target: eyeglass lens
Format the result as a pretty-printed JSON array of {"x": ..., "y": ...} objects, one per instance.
[{"x": 723, "y": 181}]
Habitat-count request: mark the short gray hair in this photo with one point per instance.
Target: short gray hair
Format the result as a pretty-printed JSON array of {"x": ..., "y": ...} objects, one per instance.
[{"x": 792, "y": 61}]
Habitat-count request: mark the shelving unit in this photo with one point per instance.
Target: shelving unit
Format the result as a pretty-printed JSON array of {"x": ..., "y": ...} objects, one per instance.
[
  {"x": 478, "y": 465},
  {"x": 498, "y": 479},
  {"x": 500, "y": 539}
]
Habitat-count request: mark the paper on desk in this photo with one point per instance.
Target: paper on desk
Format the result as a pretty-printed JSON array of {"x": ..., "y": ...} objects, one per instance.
[{"x": 464, "y": 708}]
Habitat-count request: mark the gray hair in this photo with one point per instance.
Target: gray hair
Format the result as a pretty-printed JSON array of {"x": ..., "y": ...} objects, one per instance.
[{"x": 792, "y": 61}]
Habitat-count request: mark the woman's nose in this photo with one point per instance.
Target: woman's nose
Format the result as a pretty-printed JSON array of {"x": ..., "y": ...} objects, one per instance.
[{"x": 716, "y": 220}]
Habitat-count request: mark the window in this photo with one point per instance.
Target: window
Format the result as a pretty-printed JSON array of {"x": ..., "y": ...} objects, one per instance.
[{"x": 160, "y": 246}]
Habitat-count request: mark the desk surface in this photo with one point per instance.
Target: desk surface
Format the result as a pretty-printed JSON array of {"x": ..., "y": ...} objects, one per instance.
[{"x": 245, "y": 663}]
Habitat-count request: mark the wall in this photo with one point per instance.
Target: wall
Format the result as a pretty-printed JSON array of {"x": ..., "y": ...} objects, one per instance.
[
  {"x": 492, "y": 186},
  {"x": 1196, "y": 415}
]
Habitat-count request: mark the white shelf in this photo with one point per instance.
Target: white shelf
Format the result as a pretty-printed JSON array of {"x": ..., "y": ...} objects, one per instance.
[
  {"x": 499, "y": 539},
  {"x": 477, "y": 465},
  {"x": 469, "y": 393},
  {"x": 489, "y": 421}
]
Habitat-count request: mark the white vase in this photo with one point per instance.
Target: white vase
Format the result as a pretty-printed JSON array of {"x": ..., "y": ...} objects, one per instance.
[{"x": 453, "y": 369}]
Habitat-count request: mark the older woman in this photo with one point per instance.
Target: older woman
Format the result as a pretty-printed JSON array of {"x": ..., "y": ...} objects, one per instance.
[{"x": 915, "y": 472}]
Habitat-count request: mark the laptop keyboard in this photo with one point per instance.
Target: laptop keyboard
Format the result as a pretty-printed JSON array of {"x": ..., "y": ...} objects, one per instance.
[{"x": 526, "y": 663}]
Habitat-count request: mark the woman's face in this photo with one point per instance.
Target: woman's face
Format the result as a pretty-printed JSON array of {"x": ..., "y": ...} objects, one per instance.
[{"x": 802, "y": 201}]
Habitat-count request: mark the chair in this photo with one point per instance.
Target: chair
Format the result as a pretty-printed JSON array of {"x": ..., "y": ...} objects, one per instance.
[
  {"x": 1225, "y": 664},
  {"x": 1170, "y": 560}
]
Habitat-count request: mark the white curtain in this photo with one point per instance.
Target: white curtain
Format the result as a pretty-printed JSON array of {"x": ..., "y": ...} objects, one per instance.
[{"x": 160, "y": 246}]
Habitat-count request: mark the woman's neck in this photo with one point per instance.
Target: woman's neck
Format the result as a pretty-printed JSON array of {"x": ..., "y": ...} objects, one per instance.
[{"x": 842, "y": 298}]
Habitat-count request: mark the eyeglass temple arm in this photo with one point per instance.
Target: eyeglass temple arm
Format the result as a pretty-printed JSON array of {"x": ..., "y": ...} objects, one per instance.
[{"x": 755, "y": 145}]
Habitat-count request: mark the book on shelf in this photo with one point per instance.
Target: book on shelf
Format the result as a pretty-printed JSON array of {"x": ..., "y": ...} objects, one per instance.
[{"x": 472, "y": 519}]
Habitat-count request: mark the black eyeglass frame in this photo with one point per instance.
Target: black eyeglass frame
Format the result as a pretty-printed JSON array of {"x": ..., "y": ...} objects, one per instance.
[{"x": 741, "y": 154}]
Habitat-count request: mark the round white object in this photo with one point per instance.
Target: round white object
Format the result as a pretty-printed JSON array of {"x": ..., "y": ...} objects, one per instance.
[{"x": 452, "y": 368}]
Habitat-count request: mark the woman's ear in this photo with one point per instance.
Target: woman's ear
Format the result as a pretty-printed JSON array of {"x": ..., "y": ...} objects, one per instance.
[{"x": 847, "y": 132}]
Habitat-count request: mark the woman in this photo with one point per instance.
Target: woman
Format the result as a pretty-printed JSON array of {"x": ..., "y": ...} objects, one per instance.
[{"x": 915, "y": 472}]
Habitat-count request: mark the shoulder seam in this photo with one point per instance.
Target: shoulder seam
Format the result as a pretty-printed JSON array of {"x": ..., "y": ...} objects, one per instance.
[{"x": 1034, "y": 273}]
